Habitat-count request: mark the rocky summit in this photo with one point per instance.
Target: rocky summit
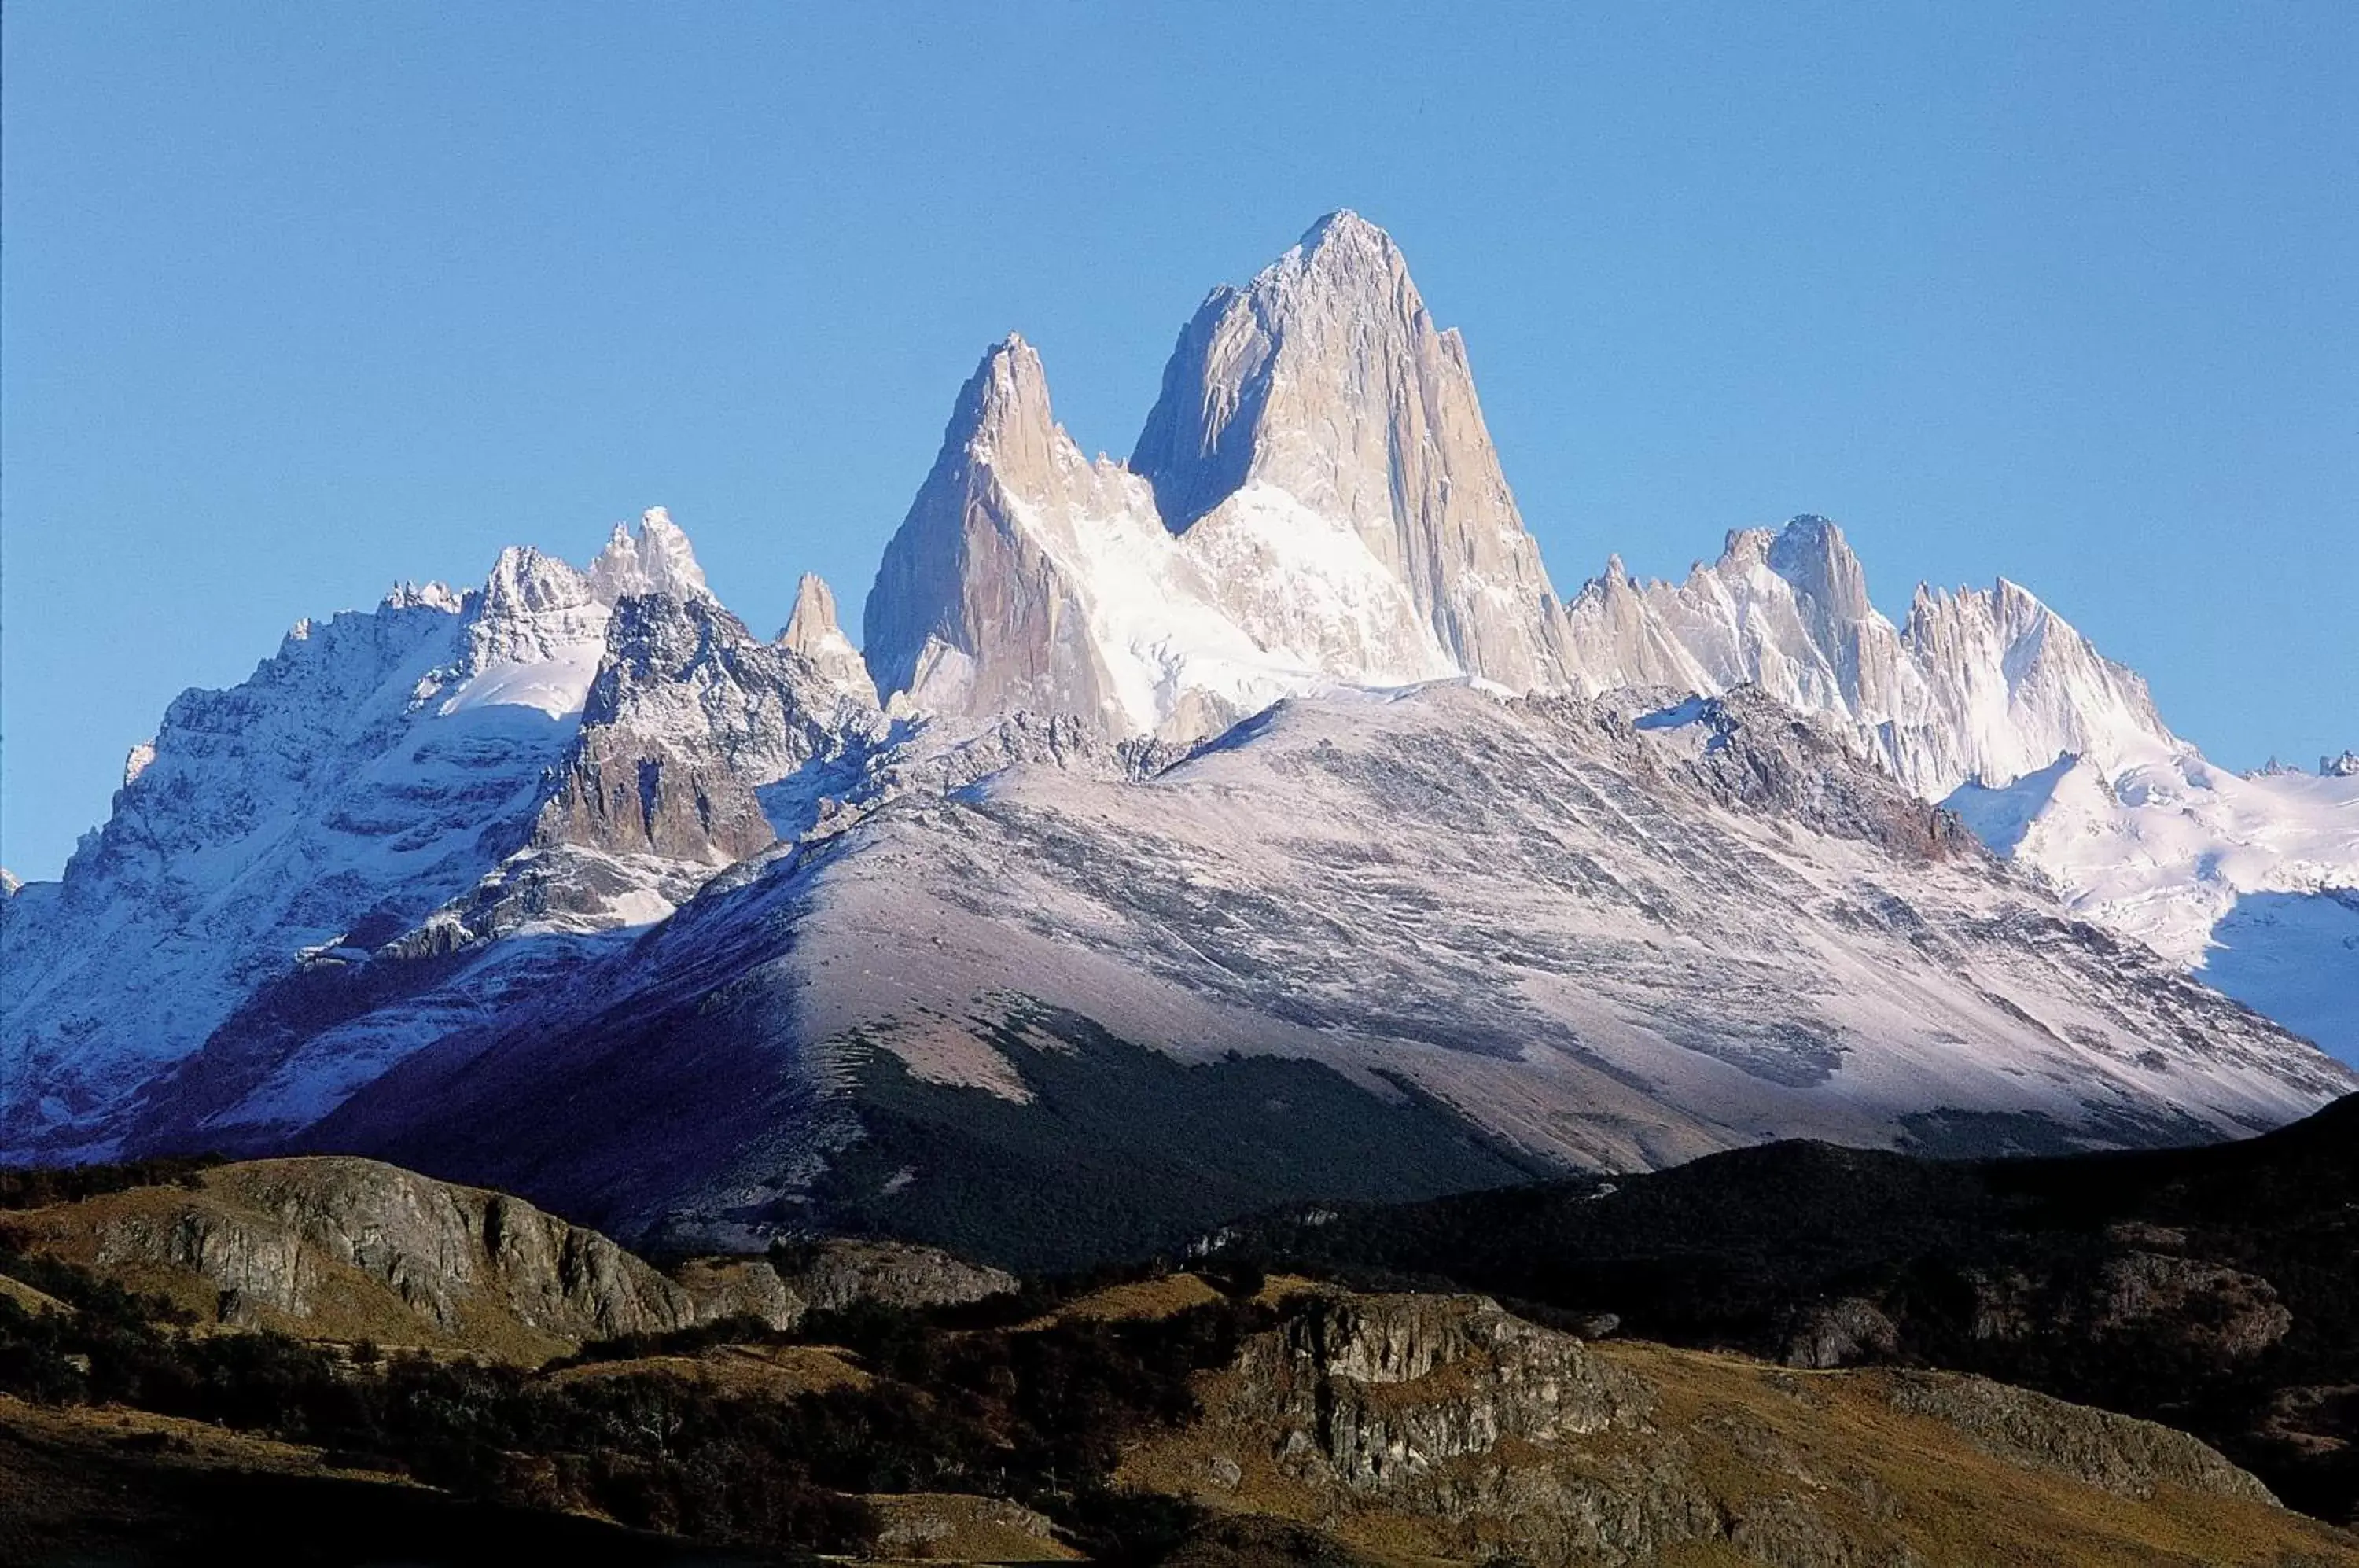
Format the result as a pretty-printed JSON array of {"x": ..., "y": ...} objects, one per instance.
[{"x": 1245, "y": 822}]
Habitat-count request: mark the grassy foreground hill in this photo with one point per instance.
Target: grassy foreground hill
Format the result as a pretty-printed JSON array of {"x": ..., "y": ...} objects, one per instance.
[
  {"x": 872, "y": 1402},
  {"x": 2215, "y": 1288}
]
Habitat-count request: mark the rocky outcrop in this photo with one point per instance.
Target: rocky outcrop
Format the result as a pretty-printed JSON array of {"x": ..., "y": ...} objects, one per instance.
[
  {"x": 830, "y": 1275},
  {"x": 1442, "y": 1427},
  {"x": 344, "y": 1247},
  {"x": 340, "y": 1247},
  {"x": 2135, "y": 1297},
  {"x": 689, "y": 718},
  {"x": 812, "y": 632},
  {"x": 1842, "y": 1332},
  {"x": 2116, "y": 1453},
  {"x": 1376, "y": 1392}
]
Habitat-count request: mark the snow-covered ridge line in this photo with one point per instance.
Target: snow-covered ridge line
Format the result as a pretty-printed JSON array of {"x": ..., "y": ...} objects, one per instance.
[
  {"x": 382, "y": 765},
  {"x": 1313, "y": 509},
  {"x": 1314, "y": 502}
]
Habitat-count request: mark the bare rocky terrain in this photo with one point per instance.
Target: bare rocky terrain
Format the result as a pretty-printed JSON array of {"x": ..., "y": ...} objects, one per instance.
[{"x": 557, "y": 1394}]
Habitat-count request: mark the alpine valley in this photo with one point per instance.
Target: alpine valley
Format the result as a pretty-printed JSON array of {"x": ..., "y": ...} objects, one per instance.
[{"x": 1247, "y": 822}]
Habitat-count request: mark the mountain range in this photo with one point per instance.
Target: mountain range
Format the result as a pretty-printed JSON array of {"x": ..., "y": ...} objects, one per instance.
[{"x": 1250, "y": 819}]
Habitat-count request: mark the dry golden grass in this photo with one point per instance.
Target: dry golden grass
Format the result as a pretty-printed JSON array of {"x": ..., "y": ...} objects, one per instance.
[
  {"x": 1837, "y": 1436},
  {"x": 69, "y": 1493},
  {"x": 1279, "y": 1288},
  {"x": 1161, "y": 1297},
  {"x": 778, "y": 1371}
]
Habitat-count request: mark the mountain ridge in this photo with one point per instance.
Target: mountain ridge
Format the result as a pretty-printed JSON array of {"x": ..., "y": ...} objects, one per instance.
[{"x": 1303, "y": 650}]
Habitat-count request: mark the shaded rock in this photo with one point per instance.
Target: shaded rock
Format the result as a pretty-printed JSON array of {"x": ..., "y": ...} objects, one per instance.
[
  {"x": 1840, "y": 1333},
  {"x": 2120, "y": 1453},
  {"x": 834, "y": 1275}
]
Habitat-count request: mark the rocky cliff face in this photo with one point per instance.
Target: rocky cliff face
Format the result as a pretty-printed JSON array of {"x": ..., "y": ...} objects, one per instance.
[
  {"x": 986, "y": 599},
  {"x": 812, "y": 633},
  {"x": 337, "y": 1248},
  {"x": 1378, "y": 1393},
  {"x": 352, "y": 1249},
  {"x": 833, "y": 1275},
  {"x": 688, "y": 720},
  {"x": 1314, "y": 500},
  {"x": 1323, "y": 388}
]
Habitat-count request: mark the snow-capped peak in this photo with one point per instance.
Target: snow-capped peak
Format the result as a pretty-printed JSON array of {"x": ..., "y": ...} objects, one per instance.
[
  {"x": 1988, "y": 684},
  {"x": 1324, "y": 381},
  {"x": 524, "y": 582},
  {"x": 434, "y": 595},
  {"x": 813, "y": 632},
  {"x": 659, "y": 562}
]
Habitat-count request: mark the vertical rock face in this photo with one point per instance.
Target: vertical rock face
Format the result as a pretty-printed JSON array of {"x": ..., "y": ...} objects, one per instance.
[
  {"x": 1314, "y": 502},
  {"x": 812, "y": 633},
  {"x": 983, "y": 602},
  {"x": 1325, "y": 380},
  {"x": 1375, "y": 1393}
]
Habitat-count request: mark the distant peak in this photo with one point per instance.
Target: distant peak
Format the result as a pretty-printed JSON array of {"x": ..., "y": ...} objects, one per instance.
[
  {"x": 1809, "y": 527},
  {"x": 1745, "y": 545},
  {"x": 1343, "y": 226},
  {"x": 659, "y": 560},
  {"x": 813, "y": 632},
  {"x": 1811, "y": 553},
  {"x": 1004, "y": 404},
  {"x": 1342, "y": 253},
  {"x": 524, "y": 580},
  {"x": 814, "y": 614},
  {"x": 1012, "y": 365},
  {"x": 417, "y": 595}
]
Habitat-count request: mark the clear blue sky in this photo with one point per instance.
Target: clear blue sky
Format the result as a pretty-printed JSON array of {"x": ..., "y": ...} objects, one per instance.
[{"x": 301, "y": 299}]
